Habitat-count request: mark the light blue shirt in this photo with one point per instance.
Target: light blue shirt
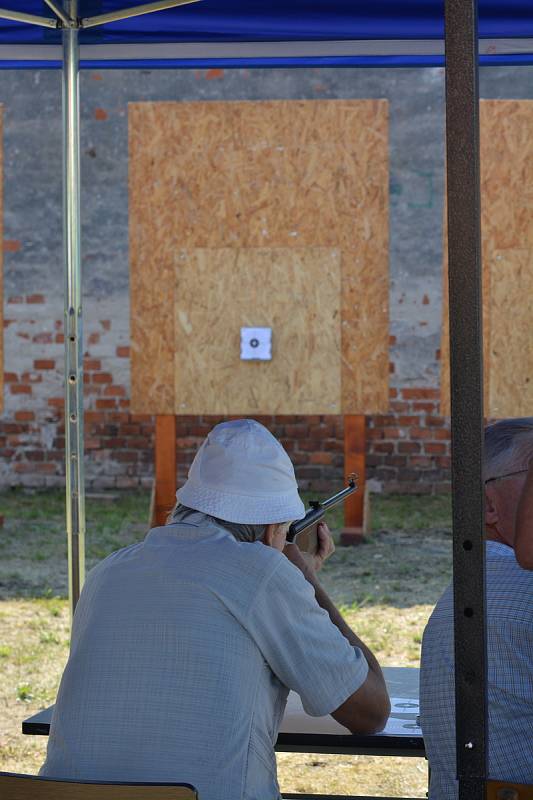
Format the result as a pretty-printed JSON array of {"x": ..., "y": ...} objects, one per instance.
[
  {"x": 183, "y": 650},
  {"x": 510, "y": 678}
]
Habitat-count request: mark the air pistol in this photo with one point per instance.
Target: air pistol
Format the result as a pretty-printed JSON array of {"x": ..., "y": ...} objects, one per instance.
[{"x": 303, "y": 532}]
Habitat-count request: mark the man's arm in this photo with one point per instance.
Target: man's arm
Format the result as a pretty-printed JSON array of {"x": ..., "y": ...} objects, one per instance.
[
  {"x": 367, "y": 710},
  {"x": 523, "y": 542}
]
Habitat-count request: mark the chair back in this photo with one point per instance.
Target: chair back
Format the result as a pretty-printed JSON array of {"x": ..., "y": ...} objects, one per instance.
[
  {"x": 31, "y": 787},
  {"x": 501, "y": 790}
]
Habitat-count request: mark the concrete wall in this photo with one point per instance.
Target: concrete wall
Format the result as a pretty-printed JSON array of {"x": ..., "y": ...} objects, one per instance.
[{"x": 408, "y": 449}]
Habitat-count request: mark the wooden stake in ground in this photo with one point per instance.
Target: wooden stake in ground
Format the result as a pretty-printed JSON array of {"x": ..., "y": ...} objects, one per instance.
[{"x": 356, "y": 508}]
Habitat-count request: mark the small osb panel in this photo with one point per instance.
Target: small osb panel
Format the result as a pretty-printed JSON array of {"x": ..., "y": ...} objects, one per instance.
[
  {"x": 506, "y": 129},
  {"x": 220, "y": 291},
  {"x": 265, "y": 175},
  {"x": 511, "y": 342}
]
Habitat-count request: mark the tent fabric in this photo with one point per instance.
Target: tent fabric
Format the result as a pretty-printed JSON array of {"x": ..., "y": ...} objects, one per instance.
[{"x": 268, "y": 33}]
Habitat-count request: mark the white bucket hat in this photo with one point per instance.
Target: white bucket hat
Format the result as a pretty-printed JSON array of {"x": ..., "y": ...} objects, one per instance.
[{"x": 241, "y": 473}]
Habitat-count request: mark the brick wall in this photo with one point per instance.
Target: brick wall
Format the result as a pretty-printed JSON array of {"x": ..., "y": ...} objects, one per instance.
[{"x": 407, "y": 449}]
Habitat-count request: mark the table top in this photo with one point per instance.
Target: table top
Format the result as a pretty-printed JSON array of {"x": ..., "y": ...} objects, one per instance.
[{"x": 299, "y": 732}]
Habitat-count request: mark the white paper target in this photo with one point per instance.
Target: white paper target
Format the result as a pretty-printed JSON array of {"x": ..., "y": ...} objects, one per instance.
[{"x": 256, "y": 344}]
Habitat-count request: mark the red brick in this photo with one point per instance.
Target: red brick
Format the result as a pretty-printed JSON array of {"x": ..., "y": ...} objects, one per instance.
[
  {"x": 102, "y": 377},
  {"x": 435, "y": 422},
  {"x": 35, "y": 298},
  {"x": 320, "y": 458},
  {"x": 391, "y": 433},
  {"x": 100, "y": 114},
  {"x": 92, "y": 444},
  {"x": 106, "y": 324},
  {"x": 92, "y": 417},
  {"x": 397, "y": 461},
  {"x": 392, "y": 368},
  {"x": 408, "y": 421},
  {"x": 380, "y": 420},
  {"x": 393, "y": 393},
  {"x": 24, "y": 416},
  {"x": 56, "y": 402},
  {"x": 59, "y": 338},
  {"x": 409, "y": 447},
  {"x": 94, "y": 338},
  {"x": 34, "y": 455},
  {"x": 420, "y": 393},
  {"x": 384, "y": 447},
  {"x": 10, "y": 377},
  {"x": 92, "y": 364},
  {"x": 42, "y": 338},
  {"x": 444, "y": 462},
  {"x": 399, "y": 407},
  {"x": 31, "y": 377},
  {"x": 44, "y": 363},
  {"x": 48, "y": 468},
  {"x": 15, "y": 299},
  {"x": 420, "y": 461},
  {"x": 114, "y": 391},
  {"x": 123, "y": 352},
  {"x": 440, "y": 433},
  {"x": 422, "y": 433},
  {"x": 19, "y": 388},
  {"x": 429, "y": 408},
  {"x": 435, "y": 448},
  {"x": 106, "y": 403}
]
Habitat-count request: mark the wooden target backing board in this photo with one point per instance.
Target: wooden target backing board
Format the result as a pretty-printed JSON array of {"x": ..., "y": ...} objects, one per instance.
[
  {"x": 506, "y": 129},
  {"x": 259, "y": 214}
]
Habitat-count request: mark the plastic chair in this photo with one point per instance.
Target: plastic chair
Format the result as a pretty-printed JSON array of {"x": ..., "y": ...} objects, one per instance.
[{"x": 31, "y": 787}]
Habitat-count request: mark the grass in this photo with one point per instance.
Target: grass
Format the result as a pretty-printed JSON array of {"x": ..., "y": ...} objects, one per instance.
[{"x": 385, "y": 588}]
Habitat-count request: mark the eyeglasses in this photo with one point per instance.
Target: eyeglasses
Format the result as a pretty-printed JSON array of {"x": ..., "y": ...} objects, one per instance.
[{"x": 507, "y": 475}]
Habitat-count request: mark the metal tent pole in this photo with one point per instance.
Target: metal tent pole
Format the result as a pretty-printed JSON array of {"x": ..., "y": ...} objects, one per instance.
[
  {"x": 466, "y": 366},
  {"x": 75, "y": 492}
]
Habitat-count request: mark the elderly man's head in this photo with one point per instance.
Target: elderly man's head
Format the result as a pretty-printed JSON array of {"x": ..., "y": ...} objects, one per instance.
[
  {"x": 243, "y": 479},
  {"x": 508, "y": 450}
]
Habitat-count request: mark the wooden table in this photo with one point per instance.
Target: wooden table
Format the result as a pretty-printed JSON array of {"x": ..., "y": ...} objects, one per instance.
[{"x": 301, "y": 733}]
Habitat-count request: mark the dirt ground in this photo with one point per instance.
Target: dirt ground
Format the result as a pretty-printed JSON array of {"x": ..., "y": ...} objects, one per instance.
[{"x": 386, "y": 589}]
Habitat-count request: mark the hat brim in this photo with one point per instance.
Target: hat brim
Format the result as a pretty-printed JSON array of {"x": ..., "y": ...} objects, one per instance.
[{"x": 240, "y": 508}]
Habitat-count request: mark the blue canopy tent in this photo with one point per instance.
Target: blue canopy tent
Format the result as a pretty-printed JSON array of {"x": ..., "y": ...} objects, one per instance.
[{"x": 74, "y": 34}]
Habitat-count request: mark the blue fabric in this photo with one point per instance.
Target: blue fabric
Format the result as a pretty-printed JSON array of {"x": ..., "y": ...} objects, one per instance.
[{"x": 211, "y": 21}]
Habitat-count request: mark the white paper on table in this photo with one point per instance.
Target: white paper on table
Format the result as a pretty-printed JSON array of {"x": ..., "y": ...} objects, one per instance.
[
  {"x": 295, "y": 720},
  {"x": 404, "y": 706}
]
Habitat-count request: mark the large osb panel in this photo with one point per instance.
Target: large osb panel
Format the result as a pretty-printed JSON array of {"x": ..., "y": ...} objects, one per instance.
[
  {"x": 278, "y": 174},
  {"x": 506, "y": 131},
  {"x": 151, "y": 241},
  {"x": 511, "y": 342},
  {"x": 293, "y": 291}
]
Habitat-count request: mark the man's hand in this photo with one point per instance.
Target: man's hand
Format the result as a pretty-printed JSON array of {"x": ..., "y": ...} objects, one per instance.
[{"x": 310, "y": 564}]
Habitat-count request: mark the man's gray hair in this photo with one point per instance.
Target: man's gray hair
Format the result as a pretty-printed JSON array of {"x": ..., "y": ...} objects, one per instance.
[{"x": 508, "y": 445}]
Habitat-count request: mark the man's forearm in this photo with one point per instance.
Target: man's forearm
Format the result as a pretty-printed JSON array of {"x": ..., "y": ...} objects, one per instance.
[{"x": 336, "y": 617}]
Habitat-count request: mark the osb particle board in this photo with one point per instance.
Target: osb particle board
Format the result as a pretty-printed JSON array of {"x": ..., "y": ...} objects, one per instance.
[
  {"x": 220, "y": 291},
  {"x": 506, "y": 145},
  {"x": 278, "y": 174},
  {"x": 511, "y": 344}
]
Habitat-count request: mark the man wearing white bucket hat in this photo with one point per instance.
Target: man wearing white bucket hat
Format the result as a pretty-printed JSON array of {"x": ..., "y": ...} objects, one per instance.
[{"x": 184, "y": 646}]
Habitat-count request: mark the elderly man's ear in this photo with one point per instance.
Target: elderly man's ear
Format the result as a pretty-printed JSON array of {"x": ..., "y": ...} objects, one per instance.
[{"x": 276, "y": 536}]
